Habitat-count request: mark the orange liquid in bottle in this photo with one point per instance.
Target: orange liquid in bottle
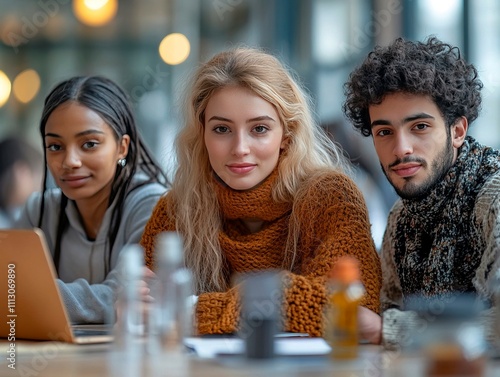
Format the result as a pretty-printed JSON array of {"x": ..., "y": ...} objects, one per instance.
[{"x": 345, "y": 294}]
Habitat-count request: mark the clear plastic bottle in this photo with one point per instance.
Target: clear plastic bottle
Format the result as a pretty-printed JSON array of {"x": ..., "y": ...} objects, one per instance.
[
  {"x": 170, "y": 317},
  {"x": 125, "y": 358},
  {"x": 450, "y": 337},
  {"x": 129, "y": 324},
  {"x": 344, "y": 295}
]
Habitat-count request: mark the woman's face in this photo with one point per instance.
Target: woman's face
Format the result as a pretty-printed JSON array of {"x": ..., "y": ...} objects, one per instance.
[
  {"x": 243, "y": 136},
  {"x": 82, "y": 151}
]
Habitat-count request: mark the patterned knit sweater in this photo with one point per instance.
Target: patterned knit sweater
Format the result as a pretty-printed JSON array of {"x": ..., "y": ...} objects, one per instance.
[
  {"x": 397, "y": 323},
  {"x": 334, "y": 222}
]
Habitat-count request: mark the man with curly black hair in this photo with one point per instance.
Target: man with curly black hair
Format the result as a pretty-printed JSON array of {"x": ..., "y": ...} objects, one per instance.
[{"x": 417, "y": 101}]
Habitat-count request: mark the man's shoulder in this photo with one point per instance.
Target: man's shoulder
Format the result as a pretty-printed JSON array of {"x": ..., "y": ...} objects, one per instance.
[
  {"x": 396, "y": 209},
  {"x": 492, "y": 184},
  {"x": 489, "y": 195}
]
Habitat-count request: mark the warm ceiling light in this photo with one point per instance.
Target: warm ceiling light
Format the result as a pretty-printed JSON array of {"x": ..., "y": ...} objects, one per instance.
[
  {"x": 95, "y": 12},
  {"x": 26, "y": 85},
  {"x": 174, "y": 48},
  {"x": 4, "y": 88}
]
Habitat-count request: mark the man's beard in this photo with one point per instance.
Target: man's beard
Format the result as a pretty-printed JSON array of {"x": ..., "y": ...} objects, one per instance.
[{"x": 440, "y": 166}]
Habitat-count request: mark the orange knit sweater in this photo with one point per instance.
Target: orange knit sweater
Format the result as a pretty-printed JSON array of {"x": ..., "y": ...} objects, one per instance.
[{"x": 334, "y": 222}]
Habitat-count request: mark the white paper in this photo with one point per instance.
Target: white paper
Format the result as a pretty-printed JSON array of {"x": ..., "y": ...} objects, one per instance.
[{"x": 284, "y": 346}]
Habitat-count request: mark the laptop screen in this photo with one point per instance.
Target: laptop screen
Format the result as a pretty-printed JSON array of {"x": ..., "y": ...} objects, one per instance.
[{"x": 30, "y": 302}]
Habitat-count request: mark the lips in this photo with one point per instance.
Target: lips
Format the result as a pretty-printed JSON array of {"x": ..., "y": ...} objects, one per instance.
[
  {"x": 241, "y": 168},
  {"x": 406, "y": 170},
  {"x": 74, "y": 181}
]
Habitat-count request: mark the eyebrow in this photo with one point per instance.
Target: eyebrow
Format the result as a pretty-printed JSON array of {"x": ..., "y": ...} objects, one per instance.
[
  {"x": 83, "y": 133},
  {"x": 256, "y": 119},
  {"x": 411, "y": 118}
]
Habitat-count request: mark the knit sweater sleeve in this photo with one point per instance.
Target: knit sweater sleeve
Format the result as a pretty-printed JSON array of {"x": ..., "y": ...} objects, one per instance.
[
  {"x": 487, "y": 213},
  {"x": 334, "y": 223},
  {"x": 160, "y": 221},
  {"x": 218, "y": 312}
]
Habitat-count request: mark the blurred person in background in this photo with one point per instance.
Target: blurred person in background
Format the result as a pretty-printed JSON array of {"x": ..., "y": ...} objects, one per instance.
[
  {"x": 21, "y": 172},
  {"x": 107, "y": 185},
  {"x": 259, "y": 186},
  {"x": 417, "y": 100}
]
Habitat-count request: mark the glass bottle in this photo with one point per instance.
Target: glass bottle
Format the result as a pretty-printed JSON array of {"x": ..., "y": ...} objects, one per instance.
[
  {"x": 344, "y": 295},
  {"x": 125, "y": 358},
  {"x": 129, "y": 324},
  {"x": 170, "y": 317},
  {"x": 450, "y": 336}
]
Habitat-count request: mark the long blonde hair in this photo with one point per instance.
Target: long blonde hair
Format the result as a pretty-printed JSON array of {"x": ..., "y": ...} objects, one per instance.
[{"x": 308, "y": 151}]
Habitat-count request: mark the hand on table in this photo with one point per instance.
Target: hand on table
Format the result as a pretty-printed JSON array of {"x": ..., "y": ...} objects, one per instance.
[
  {"x": 144, "y": 286},
  {"x": 370, "y": 325},
  {"x": 144, "y": 296}
]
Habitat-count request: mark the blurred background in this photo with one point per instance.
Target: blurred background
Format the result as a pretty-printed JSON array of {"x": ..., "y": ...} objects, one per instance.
[{"x": 151, "y": 47}]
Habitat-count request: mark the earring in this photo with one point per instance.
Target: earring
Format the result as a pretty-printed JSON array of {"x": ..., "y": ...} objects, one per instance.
[{"x": 122, "y": 162}]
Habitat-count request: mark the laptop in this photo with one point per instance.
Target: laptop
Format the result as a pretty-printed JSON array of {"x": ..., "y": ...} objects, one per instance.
[{"x": 31, "y": 305}]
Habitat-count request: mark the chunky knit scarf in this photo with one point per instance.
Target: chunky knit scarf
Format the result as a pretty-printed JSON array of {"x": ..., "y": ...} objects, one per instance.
[
  {"x": 247, "y": 251},
  {"x": 256, "y": 203},
  {"x": 437, "y": 245}
]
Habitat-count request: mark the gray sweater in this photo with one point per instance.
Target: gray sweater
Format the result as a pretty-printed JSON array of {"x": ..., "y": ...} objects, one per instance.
[
  {"x": 88, "y": 292},
  {"x": 397, "y": 323}
]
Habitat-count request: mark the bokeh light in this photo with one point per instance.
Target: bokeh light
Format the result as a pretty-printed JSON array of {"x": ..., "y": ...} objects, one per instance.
[
  {"x": 5, "y": 87},
  {"x": 95, "y": 12},
  {"x": 174, "y": 48},
  {"x": 26, "y": 85}
]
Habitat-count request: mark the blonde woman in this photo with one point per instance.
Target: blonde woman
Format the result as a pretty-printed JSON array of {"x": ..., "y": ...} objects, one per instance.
[{"x": 258, "y": 186}]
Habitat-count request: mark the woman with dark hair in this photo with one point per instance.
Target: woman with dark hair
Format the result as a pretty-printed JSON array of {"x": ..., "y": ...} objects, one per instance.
[{"x": 108, "y": 183}]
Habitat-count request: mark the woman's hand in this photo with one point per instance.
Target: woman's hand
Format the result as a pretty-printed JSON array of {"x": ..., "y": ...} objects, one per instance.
[
  {"x": 144, "y": 297},
  {"x": 144, "y": 286},
  {"x": 370, "y": 325}
]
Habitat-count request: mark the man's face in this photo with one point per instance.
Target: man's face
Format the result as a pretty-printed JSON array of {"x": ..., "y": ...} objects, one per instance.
[{"x": 414, "y": 145}]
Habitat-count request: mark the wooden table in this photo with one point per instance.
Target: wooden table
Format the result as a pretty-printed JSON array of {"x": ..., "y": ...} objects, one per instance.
[{"x": 55, "y": 359}]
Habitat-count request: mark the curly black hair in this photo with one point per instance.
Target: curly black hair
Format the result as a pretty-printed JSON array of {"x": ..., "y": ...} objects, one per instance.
[{"x": 430, "y": 68}]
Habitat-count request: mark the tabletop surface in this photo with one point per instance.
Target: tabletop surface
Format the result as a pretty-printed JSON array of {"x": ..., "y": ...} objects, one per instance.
[{"x": 61, "y": 359}]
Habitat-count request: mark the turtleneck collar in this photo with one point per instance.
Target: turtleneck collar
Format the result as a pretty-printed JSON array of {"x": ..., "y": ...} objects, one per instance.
[{"x": 256, "y": 202}]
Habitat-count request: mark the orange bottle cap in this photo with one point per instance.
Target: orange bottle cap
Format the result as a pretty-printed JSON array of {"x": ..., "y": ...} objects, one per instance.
[{"x": 345, "y": 270}]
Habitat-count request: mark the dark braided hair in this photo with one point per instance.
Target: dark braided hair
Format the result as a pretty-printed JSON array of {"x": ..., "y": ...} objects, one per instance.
[
  {"x": 430, "y": 68},
  {"x": 107, "y": 99}
]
